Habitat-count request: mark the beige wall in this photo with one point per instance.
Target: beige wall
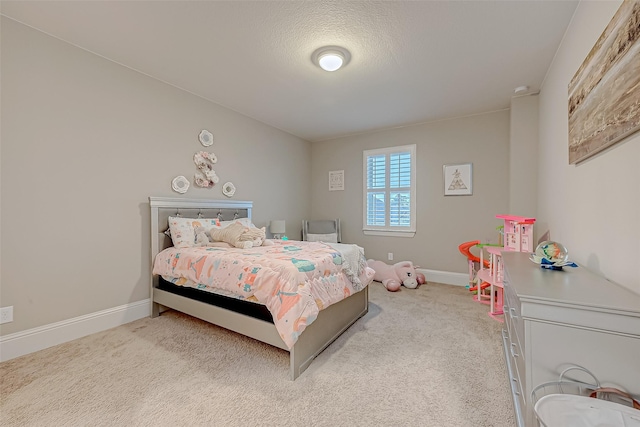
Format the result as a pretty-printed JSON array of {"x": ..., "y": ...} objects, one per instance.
[
  {"x": 523, "y": 156},
  {"x": 594, "y": 207},
  {"x": 442, "y": 222},
  {"x": 85, "y": 142}
]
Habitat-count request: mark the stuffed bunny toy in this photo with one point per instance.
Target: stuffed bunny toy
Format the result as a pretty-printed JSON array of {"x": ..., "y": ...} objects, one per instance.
[{"x": 396, "y": 275}]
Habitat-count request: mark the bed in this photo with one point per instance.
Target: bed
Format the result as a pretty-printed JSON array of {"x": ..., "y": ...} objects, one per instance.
[{"x": 256, "y": 319}]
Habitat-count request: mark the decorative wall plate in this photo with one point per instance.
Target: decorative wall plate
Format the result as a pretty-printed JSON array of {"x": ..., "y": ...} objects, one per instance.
[
  {"x": 180, "y": 184},
  {"x": 228, "y": 189},
  {"x": 206, "y": 138}
]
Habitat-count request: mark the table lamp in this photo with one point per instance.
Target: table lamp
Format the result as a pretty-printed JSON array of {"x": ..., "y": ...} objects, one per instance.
[{"x": 277, "y": 228}]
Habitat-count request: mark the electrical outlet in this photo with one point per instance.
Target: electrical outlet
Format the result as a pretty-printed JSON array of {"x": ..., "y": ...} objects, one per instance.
[
  {"x": 6, "y": 314},
  {"x": 390, "y": 256}
]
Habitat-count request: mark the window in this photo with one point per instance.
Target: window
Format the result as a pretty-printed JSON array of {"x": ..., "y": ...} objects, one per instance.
[{"x": 390, "y": 191}]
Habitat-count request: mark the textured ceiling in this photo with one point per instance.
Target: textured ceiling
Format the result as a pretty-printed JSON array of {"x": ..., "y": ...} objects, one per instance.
[{"x": 412, "y": 61}]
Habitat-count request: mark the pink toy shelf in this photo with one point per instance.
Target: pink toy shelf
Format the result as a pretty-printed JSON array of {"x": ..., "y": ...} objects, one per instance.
[{"x": 518, "y": 236}]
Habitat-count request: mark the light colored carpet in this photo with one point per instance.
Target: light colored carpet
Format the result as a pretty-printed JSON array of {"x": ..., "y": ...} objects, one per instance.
[{"x": 425, "y": 357}]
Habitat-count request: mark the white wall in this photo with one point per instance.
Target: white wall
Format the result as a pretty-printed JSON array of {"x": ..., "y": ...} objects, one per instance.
[
  {"x": 85, "y": 142},
  {"x": 592, "y": 208}
]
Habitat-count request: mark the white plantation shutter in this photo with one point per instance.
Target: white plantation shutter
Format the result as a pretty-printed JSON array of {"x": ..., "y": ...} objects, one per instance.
[
  {"x": 389, "y": 181},
  {"x": 376, "y": 184}
]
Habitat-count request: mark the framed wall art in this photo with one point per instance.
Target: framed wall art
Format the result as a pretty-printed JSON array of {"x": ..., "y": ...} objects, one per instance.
[
  {"x": 604, "y": 94},
  {"x": 458, "y": 179},
  {"x": 336, "y": 180}
]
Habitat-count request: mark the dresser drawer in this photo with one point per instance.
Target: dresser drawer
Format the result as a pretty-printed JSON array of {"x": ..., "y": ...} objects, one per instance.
[
  {"x": 518, "y": 393},
  {"x": 513, "y": 314},
  {"x": 514, "y": 381},
  {"x": 518, "y": 326},
  {"x": 511, "y": 327},
  {"x": 518, "y": 360},
  {"x": 511, "y": 320},
  {"x": 511, "y": 297}
]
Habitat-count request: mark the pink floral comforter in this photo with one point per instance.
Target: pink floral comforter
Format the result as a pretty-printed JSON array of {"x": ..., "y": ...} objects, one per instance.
[{"x": 295, "y": 280}]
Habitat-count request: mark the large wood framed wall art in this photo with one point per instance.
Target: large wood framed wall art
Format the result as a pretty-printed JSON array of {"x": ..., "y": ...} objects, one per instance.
[{"x": 604, "y": 94}]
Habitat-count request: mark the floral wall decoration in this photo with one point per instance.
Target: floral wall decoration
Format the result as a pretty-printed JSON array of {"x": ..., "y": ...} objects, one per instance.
[{"x": 206, "y": 177}]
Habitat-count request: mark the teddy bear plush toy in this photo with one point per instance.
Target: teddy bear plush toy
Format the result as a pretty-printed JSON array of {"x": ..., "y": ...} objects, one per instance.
[
  {"x": 202, "y": 238},
  {"x": 240, "y": 236},
  {"x": 396, "y": 275}
]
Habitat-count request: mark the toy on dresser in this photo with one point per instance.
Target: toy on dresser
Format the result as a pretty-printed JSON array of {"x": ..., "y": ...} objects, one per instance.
[
  {"x": 517, "y": 237},
  {"x": 399, "y": 274},
  {"x": 518, "y": 233}
]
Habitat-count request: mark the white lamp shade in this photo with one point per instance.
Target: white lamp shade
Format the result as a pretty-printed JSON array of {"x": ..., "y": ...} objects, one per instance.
[
  {"x": 331, "y": 58},
  {"x": 277, "y": 226},
  {"x": 331, "y": 61}
]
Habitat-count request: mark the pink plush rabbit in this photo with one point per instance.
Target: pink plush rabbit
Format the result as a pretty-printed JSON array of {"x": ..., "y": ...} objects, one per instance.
[{"x": 393, "y": 276}]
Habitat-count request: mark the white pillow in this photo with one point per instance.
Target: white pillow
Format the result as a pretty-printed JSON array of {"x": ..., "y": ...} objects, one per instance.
[
  {"x": 230, "y": 234},
  {"x": 330, "y": 238},
  {"x": 183, "y": 229},
  {"x": 244, "y": 221}
]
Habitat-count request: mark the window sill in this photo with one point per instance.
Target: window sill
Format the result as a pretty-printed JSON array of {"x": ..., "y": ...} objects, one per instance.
[{"x": 389, "y": 233}]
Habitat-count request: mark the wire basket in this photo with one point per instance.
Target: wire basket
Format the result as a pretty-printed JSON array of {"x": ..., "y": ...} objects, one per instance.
[{"x": 566, "y": 386}]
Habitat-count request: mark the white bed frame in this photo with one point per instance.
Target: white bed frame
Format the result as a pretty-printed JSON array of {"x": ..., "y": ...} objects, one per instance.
[{"x": 329, "y": 325}]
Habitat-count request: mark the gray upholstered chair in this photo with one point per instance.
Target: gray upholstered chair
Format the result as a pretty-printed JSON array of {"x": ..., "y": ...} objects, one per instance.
[{"x": 323, "y": 230}]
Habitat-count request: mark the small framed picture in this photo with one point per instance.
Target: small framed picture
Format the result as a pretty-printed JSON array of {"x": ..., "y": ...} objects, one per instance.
[
  {"x": 458, "y": 179},
  {"x": 336, "y": 180}
]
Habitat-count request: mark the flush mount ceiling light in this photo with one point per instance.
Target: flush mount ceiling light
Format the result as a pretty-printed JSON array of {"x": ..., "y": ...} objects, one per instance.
[{"x": 331, "y": 58}]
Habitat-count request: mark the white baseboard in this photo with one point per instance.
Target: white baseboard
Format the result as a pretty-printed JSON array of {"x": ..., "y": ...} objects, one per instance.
[
  {"x": 446, "y": 277},
  {"x": 32, "y": 340}
]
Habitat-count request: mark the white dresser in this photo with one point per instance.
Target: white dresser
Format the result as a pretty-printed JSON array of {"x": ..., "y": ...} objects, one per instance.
[{"x": 554, "y": 319}]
